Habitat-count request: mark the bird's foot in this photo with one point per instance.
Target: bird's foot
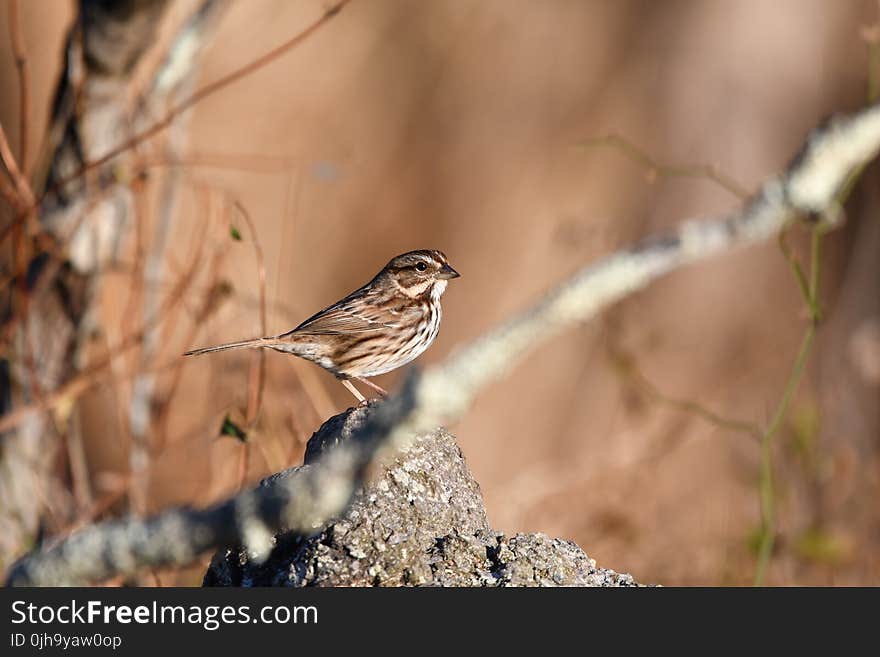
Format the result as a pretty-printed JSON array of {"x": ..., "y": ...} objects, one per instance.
[
  {"x": 357, "y": 393},
  {"x": 382, "y": 392}
]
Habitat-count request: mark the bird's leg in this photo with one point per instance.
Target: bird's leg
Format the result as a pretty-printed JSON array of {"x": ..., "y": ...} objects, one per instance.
[
  {"x": 378, "y": 389},
  {"x": 348, "y": 384}
]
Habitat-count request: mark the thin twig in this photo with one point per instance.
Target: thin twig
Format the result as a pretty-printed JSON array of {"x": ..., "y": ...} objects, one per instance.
[
  {"x": 871, "y": 37},
  {"x": 627, "y": 365},
  {"x": 257, "y": 378},
  {"x": 768, "y": 538},
  {"x": 21, "y": 64},
  {"x": 810, "y": 296},
  {"x": 22, "y": 187},
  {"x": 7, "y": 191},
  {"x": 641, "y": 157},
  {"x": 252, "y": 162},
  {"x": 209, "y": 305},
  {"x": 795, "y": 266}
]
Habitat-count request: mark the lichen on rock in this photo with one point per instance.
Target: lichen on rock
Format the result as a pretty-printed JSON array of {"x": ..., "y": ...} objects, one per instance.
[{"x": 419, "y": 521}]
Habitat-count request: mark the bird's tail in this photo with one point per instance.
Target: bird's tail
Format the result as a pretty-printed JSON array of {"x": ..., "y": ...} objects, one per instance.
[{"x": 255, "y": 343}]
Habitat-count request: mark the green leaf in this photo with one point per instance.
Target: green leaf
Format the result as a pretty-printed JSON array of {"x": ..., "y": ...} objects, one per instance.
[
  {"x": 230, "y": 428},
  {"x": 234, "y": 233},
  {"x": 821, "y": 546}
]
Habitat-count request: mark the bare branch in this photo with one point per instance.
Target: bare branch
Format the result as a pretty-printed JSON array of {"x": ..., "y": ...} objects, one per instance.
[{"x": 319, "y": 492}]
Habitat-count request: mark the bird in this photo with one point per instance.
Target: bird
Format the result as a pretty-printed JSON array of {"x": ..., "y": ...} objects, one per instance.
[{"x": 378, "y": 328}]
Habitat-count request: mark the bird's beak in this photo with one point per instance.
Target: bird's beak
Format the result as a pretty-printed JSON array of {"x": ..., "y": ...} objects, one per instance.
[{"x": 447, "y": 272}]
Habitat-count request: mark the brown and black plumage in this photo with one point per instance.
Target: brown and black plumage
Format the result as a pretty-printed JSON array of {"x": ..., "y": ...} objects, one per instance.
[{"x": 377, "y": 328}]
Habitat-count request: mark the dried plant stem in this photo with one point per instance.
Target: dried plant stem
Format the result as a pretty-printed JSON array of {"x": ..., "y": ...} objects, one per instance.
[
  {"x": 257, "y": 375},
  {"x": 656, "y": 168},
  {"x": 768, "y": 504},
  {"x": 21, "y": 64},
  {"x": 24, "y": 194}
]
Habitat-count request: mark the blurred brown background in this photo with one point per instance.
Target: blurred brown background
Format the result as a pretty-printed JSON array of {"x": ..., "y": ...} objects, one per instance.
[{"x": 455, "y": 125}]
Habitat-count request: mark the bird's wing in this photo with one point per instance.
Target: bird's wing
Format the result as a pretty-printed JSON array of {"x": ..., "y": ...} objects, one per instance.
[{"x": 350, "y": 315}]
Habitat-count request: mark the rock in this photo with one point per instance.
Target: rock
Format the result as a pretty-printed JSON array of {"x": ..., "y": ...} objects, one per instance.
[{"x": 419, "y": 521}]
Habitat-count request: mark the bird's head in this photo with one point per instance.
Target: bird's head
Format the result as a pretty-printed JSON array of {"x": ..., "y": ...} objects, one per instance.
[{"x": 419, "y": 272}]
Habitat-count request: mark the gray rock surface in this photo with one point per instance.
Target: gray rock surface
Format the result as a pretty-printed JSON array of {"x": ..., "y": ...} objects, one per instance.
[{"x": 420, "y": 521}]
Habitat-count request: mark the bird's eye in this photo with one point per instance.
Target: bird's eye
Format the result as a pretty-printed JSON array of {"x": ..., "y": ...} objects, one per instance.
[{"x": 421, "y": 266}]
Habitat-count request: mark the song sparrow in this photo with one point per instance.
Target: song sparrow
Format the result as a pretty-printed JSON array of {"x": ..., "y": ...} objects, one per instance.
[{"x": 377, "y": 328}]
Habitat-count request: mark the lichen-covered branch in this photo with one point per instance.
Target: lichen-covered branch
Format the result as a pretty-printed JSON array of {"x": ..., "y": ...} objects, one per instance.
[{"x": 317, "y": 493}]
